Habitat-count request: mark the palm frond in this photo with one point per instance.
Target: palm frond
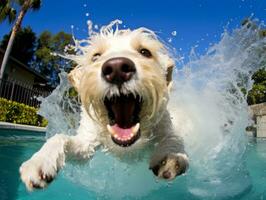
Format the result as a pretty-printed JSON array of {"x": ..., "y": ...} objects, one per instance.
[
  {"x": 36, "y": 4},
  {"x": 6, "y": 12},
  {"x": 12, "y": 15},
  {"x": 3, "y": 3}
]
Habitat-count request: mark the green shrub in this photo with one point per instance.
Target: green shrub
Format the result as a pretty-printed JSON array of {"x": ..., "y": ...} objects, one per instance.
[
  {"x": 258, "y": 92},
  {"x": 20, "y": 113}
]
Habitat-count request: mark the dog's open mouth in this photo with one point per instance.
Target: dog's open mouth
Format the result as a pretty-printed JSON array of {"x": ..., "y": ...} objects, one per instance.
[{"x": 123, "y": 112}]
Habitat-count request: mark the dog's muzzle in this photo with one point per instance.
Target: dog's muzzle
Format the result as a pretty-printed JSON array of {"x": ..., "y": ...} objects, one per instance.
[{"x": 123, "y": 110}]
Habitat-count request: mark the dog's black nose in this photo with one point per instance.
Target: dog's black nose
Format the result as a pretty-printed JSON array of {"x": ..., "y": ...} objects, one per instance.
[
  {"x": 166, "y": 174},
  {"x": 118, "y": 70}
]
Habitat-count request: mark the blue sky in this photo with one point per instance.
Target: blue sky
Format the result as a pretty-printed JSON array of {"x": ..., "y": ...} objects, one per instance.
[{"x": 196, "y": 22}]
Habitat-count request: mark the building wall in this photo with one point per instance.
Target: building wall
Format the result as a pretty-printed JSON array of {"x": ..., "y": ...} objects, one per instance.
[
  {"x": 258, "y": 112},
  {"x": 261, "y": 126},
  {"x": 19, "y": 74}
]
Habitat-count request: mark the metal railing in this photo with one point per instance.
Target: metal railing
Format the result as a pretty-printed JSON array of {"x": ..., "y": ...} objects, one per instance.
[{"x": 22, "y": 92}]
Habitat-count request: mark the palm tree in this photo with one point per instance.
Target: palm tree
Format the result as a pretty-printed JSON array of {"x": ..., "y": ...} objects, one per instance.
[{"x": 8, "y": 12}]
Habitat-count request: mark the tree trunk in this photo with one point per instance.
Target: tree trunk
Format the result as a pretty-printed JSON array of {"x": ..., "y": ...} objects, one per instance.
[{"x": 15, "y": 29}]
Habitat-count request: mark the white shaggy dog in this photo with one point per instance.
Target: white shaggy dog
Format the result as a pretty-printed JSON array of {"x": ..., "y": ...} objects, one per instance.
[{"x": 123, "y": 79}]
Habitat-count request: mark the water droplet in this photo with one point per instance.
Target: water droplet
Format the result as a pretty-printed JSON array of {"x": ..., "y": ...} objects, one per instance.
[
  {"x": 89, "y": 23},
  {"x": 173, "y": 33},
  {"x": 87, "y": 14}
]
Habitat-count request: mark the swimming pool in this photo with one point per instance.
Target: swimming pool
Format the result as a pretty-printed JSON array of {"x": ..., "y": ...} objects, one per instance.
[{"x": 17, "y": 146}]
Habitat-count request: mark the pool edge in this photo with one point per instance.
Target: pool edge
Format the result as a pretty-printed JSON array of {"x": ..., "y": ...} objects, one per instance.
[{"x": 7, "y": 125}]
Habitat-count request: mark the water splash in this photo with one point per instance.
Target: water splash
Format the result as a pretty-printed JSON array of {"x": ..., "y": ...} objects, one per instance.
[
  {"x": 90, "y": 27},
  {"x": 210, "y": 112},
  {"x": 61, "y": 109},
  {"x": 209, "y": 89}
]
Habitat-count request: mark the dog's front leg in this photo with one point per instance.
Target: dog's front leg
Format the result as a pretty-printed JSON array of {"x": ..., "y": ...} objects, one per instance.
[
  {"x": 44, "y": 165},
  {"x": 169, "y": 158}
]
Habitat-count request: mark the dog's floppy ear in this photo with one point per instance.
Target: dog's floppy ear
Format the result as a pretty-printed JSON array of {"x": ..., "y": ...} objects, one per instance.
[
  {"x": 169, "y": 73},
  {"x": 74, "y": 77}
]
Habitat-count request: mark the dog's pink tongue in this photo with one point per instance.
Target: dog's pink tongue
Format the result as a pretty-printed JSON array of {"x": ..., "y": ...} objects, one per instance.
[{"x": 122, "y": 133}]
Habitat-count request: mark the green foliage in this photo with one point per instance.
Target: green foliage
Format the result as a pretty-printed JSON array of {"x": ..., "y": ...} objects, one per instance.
[
  {"x": 262, "y": 33},
  {"x": 250, "y": 24},
  {"x": 8, "y": 8},
  {"x": 44, "y": 39},
  {"x": 35, "y": 4},
  {"x": 259, "y": 76},
  {"x": 7, "y": 12},
  {"x": 19, "y": 113},
  {"x": 47, "y": 63},
  {"x": 38, "y": 52},
  {"x": 24, "y": 45},
  {"x": 258, "y": 92},
  {"x": 72, "y": 93}
]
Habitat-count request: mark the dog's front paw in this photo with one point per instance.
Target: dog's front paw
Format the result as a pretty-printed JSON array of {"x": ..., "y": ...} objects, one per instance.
[
  {"x": 37, "y": 172},
  {"x": 171, "y": 166}
]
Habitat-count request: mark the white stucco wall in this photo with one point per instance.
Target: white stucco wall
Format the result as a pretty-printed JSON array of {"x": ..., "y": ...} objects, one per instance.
[
  {"x": 261, "y": 126},
  {"x": 258, "y": 112}
]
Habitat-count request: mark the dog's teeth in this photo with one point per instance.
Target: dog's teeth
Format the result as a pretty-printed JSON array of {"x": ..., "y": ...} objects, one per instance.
[
  {"x": 135, "y": 129},
  {"x": 131, "y": 135},
  {"x": 110, "y": 130}
]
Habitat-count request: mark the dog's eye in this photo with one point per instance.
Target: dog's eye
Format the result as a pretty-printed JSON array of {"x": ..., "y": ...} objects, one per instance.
[
  {"x": 95, "y": 57},
  {"x": 163, "y": 162},
  {"x": 145, "y": 52}
]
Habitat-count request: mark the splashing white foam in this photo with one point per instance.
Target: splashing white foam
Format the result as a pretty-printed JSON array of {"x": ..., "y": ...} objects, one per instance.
[
  {"x": 210, "y": 110},
  {"x": 209, "y": 91}
]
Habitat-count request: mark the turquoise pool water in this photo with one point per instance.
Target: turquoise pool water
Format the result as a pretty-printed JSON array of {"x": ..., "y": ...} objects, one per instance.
[{"x": 17, "y": 146}]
